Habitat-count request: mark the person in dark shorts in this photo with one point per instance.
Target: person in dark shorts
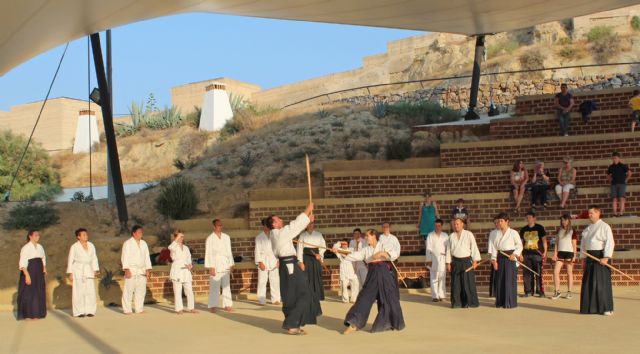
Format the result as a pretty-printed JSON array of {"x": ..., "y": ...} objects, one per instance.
[
  {"x": 565, "y": 253},
  {"x": 564, "y": 104},
  {"x": 618, "y": 175}
]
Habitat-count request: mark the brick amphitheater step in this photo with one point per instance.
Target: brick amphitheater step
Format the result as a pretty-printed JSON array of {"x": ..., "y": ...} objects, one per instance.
[
  {"x": 497, "y": 152},
  {"x": 455, "y": 180}
]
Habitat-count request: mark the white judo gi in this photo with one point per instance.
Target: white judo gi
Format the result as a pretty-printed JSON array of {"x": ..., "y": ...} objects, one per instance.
[
  {"x": 436, "y": 254},
  {"x": 180, "y": 275},
  {"x": 135, "y": 258},
  {"x": 218, "y": 256},
  {"x": 348, "y": 276},
  {"x": 83, "y": 265},
  {"x": 264, "y": 254},
  {"x": 361, "y": 268}
]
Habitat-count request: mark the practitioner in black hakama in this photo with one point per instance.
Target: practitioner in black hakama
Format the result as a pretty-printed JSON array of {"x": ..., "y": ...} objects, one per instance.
[
  {"x": 294, "y": 288},
  {"x": 462, "y": 253},
  {"x": 507, "y": 242},
  {"x": 310, "y": 251},
  {"x": 596, "y": 295},
  {"x": 32, "y": 301},
  {"x": 379, "y": 286}
]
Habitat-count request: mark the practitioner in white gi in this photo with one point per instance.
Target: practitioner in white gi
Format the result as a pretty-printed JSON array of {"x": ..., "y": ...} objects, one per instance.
[
  {"x": 348, "y": 277},
  {"x": 507, "y": 242},
  {"x": 311, "y": 248},
  {"x": 297, "y": 306},
  {"x": 267, "y": 264},
  {"x": 219, "y": 261},
  {"x": 596, "y": 295},
  {"x": 462, "y": 253},
  {"x": 436, "y": 252},
  {"x": 180, "y": 273},
  {"x": 490, "y": 248},
  {"x": 136, "y": 264},
  {"x": 82, "y": 268},
  {"x": 356, "y": 244},
  {"x": 380, "y": 286}
]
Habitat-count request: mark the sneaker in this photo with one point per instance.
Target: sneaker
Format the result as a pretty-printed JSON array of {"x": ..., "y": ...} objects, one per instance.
[
  {"x": 556, "y": 295},
  {"x": 608, "y": 313},
  {"x": 568, "y": 296}
]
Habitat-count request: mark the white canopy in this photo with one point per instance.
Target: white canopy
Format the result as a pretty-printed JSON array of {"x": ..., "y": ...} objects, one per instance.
[{"x": 30, "y": 27}]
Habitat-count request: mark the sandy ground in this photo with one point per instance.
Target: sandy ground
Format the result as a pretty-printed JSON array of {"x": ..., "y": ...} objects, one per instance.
[{"x": 537, "y": 324}]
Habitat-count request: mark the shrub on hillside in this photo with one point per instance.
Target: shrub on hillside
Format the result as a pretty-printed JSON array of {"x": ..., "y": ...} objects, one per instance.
[
  {"x": 36, "y": 177},
  {"x": 604, "y": 43},
  {"x": 177, "y": 198},
  {"x": 398, "y": 149},
  {"x": 567, "y": 53},
  {"x": 421, "y": 113},
  {"x": 532, "y": 59},
  {"x": 599, "y": 32},
  {"x": 635, "y": 23},
  {"x": 379, "y": 109},
  {"x": 31, "y": 216},
  {"x": 193, "y": 118},
  {"x": 505, "y": 46}
]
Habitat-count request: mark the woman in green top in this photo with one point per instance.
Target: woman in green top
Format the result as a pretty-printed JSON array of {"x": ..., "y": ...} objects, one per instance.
[{"x": 427, "y": 216}]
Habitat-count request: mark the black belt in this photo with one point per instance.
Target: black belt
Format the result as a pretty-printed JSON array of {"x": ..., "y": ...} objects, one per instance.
[
  {"x": 310, "y": 251},
  {"x": 509, "y": 252},
  {"x": 288, "y": 259},
  {"x": 460, "y": 259}
]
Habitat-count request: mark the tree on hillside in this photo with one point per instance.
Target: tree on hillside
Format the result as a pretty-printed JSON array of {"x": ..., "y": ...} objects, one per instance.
[{"x": 36, "y": 179}]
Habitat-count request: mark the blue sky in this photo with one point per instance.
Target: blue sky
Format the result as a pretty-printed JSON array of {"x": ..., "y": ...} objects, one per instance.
[{"x": 155, "y": 55}]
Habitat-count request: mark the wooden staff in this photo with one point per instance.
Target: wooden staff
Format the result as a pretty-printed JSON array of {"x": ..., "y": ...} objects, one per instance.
[
  {"x": 608, "y": 265},
  {"x": 306, "y": 157},
  {"x": 523, "y": 266},
  {"x": 479, "y": 263},
  {"x": 398, "y": 272},
  {"x": 326, "y": 248}
]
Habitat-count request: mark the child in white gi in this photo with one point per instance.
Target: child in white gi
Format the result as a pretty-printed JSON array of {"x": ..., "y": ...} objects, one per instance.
[{"x": 348, "y": 277}]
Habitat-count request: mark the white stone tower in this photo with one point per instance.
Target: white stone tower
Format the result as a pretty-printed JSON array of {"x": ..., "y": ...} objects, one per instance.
[
  {"x": 216, "y": 109},
  {"x": 87, "y": 135}
]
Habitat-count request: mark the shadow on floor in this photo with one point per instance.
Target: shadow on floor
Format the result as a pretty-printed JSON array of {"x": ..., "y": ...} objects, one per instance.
[{"x": 98, "y": 344}]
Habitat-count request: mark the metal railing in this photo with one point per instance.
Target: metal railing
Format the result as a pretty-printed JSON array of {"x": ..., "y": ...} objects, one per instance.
[{"x": 444, "y": 78}]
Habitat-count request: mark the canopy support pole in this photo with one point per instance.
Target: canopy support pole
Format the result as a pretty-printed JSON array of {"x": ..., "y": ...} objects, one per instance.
[
  {"x": 109, "y": 131},
  {"x": 475, "y": 79}
]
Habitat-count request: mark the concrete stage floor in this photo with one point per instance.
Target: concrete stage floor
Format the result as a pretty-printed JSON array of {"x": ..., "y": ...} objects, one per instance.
[{"x": 537, "y": 325}]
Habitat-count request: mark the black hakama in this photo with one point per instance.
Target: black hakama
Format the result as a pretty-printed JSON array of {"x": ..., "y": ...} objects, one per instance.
[
  {"x": 32, "y": 299},
  {"x": 506, "y": 282},
  {"x": 492, "y": 282},
  {"x": 463, "y": 284},
  {"x": 596, "y": 295},
  {"x": 313, "y": 268},
  {"x": 379, "y": 286},
  {"x": 296, "y": 296}
]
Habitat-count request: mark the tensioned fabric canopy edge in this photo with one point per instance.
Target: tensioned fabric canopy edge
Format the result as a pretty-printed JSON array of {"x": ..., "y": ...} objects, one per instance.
[{"x": 30, "y": 27}]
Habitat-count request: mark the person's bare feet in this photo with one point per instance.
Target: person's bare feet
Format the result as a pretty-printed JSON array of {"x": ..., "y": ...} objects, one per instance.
[
  {"x": 228, "y": 309},
  {"x": 192, "y": 311},
  {"x": 212, "y": 309},
  {"x": 296, "y": 331},
  {"x": 277, "y": 303},
  {"x": 349, "y": 330}
]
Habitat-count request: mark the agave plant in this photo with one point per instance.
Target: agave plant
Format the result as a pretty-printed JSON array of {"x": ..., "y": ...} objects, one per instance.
[{"x": 237, "y": 102}]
